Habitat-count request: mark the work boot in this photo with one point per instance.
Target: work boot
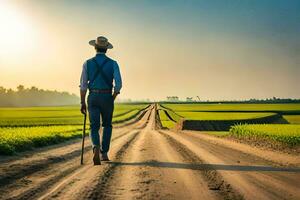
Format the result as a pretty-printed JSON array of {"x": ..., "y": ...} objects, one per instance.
[
  {"x": 104, "y": 157},
  {"x": 96, "y": 157}
]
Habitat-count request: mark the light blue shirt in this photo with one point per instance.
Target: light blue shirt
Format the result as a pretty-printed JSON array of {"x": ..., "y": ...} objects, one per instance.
[{"x": 111, "y": 70}]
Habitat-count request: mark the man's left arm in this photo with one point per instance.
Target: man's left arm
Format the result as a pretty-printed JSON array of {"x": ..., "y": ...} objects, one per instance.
[{"x": 118, "y": 80}]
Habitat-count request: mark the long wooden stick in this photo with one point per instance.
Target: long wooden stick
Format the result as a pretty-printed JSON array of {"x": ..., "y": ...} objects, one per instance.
[{"x": 83, "y": 136}]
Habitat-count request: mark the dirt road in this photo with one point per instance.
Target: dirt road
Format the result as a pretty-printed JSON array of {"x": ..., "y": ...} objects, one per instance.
[{"x": 153, "y": 164}]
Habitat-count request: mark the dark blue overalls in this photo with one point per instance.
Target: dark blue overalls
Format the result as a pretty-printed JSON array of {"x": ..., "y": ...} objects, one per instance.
[{"x": 100, "y": 103}]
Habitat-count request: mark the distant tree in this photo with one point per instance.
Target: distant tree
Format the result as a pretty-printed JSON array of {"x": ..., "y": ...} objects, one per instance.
[
  {"x": 34, "y": 89},
  {"x": 20, "y": 88},
  {"x": 2, "y": 90},
  {"x": 35, "y": 97}
]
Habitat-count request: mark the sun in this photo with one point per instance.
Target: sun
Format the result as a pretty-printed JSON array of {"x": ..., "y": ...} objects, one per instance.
[{"x": 16, "y": 33}]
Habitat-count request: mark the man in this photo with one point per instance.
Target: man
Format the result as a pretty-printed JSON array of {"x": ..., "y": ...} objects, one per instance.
[{"x": 98, "y": 74}]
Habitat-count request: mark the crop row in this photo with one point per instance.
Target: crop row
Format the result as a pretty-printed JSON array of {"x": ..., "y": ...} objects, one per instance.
[
  {"x": 169, "y": 118},
  {"x": 26, "y": 128},
  {"x": 292, "y": 119},
  {"x": 234, "y": 107},
  {"x": 166, "y": 122},
  {"x": 24, "y": 117},
  {"x": 23, "y": 138},
  {"x": 222, "y": 115},
  {"x": 284, "y": 133}
]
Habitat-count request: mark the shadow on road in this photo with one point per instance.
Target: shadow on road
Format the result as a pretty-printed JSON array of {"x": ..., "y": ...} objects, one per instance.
[{"x": 199, "y": 166}]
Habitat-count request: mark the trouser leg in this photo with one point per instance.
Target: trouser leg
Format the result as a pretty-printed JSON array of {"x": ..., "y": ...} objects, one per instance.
[
  {"x": 94, "y": 116},
  {"x": 106, "y": 137},
  {"x": 107, "y": 113}
]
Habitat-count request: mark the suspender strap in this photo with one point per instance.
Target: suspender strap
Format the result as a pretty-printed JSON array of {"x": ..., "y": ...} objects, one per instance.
[{"x": 99, "y": 71}]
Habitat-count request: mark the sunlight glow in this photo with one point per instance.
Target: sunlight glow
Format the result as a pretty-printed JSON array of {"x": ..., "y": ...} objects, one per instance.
[{"x": 16, "y": 33}]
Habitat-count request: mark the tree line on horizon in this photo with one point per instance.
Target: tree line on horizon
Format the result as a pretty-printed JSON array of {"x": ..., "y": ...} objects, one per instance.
[{"x": 34, "y": 96}]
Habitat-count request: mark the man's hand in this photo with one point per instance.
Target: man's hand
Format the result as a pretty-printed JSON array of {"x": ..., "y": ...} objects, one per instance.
[
  {"x": 115, "y": 96},
  {"x": 83, "y": 105},
  {"x": 83, "y": 108}
]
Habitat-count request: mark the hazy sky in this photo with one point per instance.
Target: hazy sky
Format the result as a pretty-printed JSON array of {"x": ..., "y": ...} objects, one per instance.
[{"x": 217, "y": 50}]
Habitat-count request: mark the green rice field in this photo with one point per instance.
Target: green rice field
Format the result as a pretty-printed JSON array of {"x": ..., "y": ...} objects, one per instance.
[
  {"x": 165, "y": 121},
  {"x": 65, "y": 115},
  {"x": 293, "y": 107},
  {"x": 185, "y": 111},
  {"x": 23, "y": 138},
  {"x": 285, "y": 133},
  {"x": 293, "y": 119},
  {"x": 204, "y": 111},
  {"x": 221, "y": 115},
  {"x": 25, "y": 128},
  {"x": 288, "y": 133}
]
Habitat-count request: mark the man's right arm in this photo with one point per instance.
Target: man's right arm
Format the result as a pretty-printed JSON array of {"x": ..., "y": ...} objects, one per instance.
[{"x": 83, "y": 88}]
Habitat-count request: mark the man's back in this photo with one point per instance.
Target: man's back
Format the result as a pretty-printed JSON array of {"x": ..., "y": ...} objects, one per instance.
[
  {"x": 98, "y": 74},
  {"x": 110, "y": 69}
]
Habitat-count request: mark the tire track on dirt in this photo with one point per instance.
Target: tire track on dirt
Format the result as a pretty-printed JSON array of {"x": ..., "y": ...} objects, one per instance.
[
  {"x": 146, "y": 171},
  {"x": 280, "y": 158},
  {"x": 75, "y": 186},
  {"x": 61, "y": 190},
  {"x": 11, "y": 172},
  {"x": 214, "y": 179},
  {"x": 99, "y": 190},
  {"x": 19, "y": 172},
  {"x": 106, "y": 187},
  {"x": 45, "y": 170},
  {"x": 275, "y": 179},
  {"x": 67, "y": 163},
  {"x": 66, "y": 168},
  {"x": 242, "y": 171}
]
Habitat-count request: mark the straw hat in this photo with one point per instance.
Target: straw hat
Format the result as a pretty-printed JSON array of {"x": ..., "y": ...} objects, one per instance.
[{"x": 101, "y": 42}]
